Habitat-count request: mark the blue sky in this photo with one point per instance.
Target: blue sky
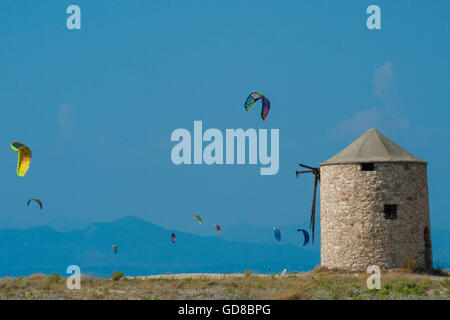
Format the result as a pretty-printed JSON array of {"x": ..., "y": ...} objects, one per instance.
[{"x": 97, "y": 106}]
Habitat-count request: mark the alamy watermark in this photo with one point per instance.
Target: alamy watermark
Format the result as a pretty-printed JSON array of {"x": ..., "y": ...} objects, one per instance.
[
  {"x": 374, "y": 281},
  {"x": 213, "y": 153},
  {"x": 374, "y": 20},
  {"x": 73, "y": 21},
  {"x": 74, "y": 280}
]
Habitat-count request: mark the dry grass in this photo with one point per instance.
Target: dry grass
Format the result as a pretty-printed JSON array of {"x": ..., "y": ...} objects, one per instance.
[
  {"x": 320, "y": 283},
  {"x": 411, "y": 265}
]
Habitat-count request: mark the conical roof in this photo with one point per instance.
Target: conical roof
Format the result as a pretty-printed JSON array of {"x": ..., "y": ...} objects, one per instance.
[{"x": 372, "y": 146}]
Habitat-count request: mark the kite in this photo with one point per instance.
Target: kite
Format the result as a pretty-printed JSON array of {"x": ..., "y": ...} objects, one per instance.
[
  {"x": 217, "y": 227},
  {"x": 277, "y": 232},
  {"x": 306, "y": 234},
  {"x": 198, "y": 217},
  {"x": 35, "y": 199},
  {"x": 255, "y": 96},
  {"x": 115, "y": 249},
  {"x": 23, "y": 163},
  {"x": 174, "y": 238}
]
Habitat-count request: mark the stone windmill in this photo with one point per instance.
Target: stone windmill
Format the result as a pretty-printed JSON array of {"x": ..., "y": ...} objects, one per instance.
[{"x": 374, "y": 206}]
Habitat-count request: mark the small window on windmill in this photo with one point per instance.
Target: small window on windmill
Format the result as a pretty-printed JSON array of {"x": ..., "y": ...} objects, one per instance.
[
  {"x": 390, "y": 211},
  {"x": 368, "y": 166}
]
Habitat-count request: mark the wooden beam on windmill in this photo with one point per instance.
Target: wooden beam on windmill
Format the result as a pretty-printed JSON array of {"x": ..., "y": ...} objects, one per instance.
[{"x": 316, "y": 172}]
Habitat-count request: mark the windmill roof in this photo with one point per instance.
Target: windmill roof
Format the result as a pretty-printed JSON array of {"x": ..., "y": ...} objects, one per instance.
[{"x": 372, "y": 146}]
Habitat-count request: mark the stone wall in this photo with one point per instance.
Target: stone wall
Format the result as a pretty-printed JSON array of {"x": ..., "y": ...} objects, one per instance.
[{"x": 354, "y": 231}]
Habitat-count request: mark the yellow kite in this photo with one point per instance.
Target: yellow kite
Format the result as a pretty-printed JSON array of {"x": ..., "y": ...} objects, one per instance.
[{"x": 23, "y": 163}]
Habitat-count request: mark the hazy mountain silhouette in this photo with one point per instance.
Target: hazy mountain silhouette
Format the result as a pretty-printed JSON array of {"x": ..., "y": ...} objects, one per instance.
[
  {"x": 144, "y": 248},
  {"x": 249, "y": 233}
]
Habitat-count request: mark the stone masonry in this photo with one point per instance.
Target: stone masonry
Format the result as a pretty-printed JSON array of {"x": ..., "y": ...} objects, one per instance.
[{"x": 354, "y": 230}]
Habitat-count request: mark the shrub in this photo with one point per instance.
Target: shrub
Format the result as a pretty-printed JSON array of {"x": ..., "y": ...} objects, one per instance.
[
  {"x": 352, "y": 292},
  {"x": 446, "y": 284},
  {"x": 406, "y": 288},
  {"x": 248, "y": 273},
  {"x": 411, "y": 265},
  {"x": 116, "y": 275},
  {"x": 54, "y": 278},
  {"x": 439, "y": 271},
  {"x": 386, "y": 289}
]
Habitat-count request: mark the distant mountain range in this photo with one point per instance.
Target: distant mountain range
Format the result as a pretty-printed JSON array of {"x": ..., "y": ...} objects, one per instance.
[{"x": 145, "y": 248}]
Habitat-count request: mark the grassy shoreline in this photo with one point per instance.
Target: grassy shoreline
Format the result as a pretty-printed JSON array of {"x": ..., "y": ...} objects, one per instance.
[{"x": 317, "y": 284}]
